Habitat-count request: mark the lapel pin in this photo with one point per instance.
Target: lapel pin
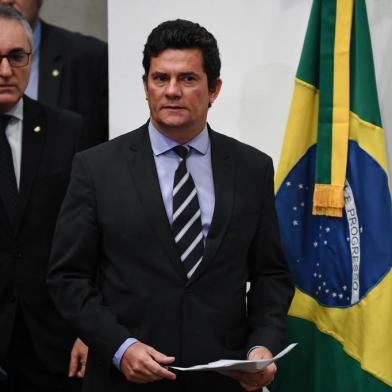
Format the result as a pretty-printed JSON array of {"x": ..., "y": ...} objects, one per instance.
[
  {"x": 55, "y": 73},
  {"x": 37, "y": 129}
]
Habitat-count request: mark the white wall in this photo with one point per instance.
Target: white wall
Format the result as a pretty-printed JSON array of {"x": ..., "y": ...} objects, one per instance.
[{"x": 260, "y": 43}]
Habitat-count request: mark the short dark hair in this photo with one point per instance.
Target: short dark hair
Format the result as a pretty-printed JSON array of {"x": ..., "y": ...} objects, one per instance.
[
  {"x": 10, "y": 13},
  {"x": 183, "y": 34}
]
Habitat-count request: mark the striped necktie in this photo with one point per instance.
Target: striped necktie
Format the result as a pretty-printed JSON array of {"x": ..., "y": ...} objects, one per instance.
[
  {"x": 8, "y": 187},
  {"x": 186, "y": 225}
]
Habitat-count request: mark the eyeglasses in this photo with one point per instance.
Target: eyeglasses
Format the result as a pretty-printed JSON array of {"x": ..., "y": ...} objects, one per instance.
[{"x": 16, "y": 59}]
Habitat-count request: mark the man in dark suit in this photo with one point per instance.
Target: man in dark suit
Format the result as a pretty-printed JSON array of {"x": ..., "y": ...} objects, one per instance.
[
  {"x": 69, "y": 70},
  {"x": 160, "y": 232},
  {"x": 37, "y": 144}
]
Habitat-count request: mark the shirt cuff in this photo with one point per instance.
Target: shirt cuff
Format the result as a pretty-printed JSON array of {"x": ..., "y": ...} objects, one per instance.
[
  {"x": 247, "y": 355},
  {"x": 120, "y": 352}
]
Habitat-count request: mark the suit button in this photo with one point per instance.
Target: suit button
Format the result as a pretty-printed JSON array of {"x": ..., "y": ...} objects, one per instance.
[
  {"x": 13, "y": 299},
  {"x": 19, "y": 254}
]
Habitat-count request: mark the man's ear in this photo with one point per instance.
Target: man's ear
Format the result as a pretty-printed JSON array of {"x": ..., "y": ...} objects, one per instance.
[
  {"x": 214, "y": 92},
  {"x": 145, "y": 88}
]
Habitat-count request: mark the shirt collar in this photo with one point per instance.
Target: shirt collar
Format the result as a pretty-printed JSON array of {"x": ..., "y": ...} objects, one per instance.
[
  {"x": 17, "y": 110},
  {"x": 161, "y": 143},
  {"x": 37, "y": 36}
]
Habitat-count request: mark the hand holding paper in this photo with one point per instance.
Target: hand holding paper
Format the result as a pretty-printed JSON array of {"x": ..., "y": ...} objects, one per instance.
[{"x": 225, "y": 365}]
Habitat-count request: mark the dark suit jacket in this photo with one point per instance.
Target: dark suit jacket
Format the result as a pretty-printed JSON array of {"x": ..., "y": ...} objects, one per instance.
[
  {"x": 25, "y": 245},
  {"x": 115, "y": 272},
  {"x": 73, "y": 74}
]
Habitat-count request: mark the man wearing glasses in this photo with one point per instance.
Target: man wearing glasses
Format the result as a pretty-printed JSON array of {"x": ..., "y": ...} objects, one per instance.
[
  {"x": 69, "y": 70},
  {"x": 37, "y": 144}
]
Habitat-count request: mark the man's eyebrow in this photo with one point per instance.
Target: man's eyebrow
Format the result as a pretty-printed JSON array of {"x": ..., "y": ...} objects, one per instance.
[
  {"x": 17, "y": 50},
  {"x": 189, "y": 73}
]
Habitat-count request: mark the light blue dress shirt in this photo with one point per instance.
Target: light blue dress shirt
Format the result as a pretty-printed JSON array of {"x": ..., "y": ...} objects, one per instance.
[
  {"x": 198, "y": 163},
  {"x": 14, "y": 134},
  {"x": 32, "y": 87}
]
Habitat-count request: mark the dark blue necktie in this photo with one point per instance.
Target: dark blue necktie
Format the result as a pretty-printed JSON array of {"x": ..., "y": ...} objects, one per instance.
[
  {"x": 8, "y": 186},
  {"x": 187, "y": 228}
]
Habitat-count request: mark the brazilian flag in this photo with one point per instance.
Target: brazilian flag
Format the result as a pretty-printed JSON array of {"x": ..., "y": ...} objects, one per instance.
[{"x": 335, "y": 213}]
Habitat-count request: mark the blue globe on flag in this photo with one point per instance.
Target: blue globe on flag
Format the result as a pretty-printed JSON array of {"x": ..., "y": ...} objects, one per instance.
[{"x": 337, "y": 260}]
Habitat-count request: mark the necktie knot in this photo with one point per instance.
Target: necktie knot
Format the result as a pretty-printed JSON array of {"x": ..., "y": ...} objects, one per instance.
[{"x": 181, "y": 151}]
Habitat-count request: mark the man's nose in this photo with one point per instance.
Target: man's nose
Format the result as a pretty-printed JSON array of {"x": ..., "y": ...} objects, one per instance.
[
  {"x": 173, "y": 89},
  {"x": 5, "y": 67},
  {"x": 7, "y": 2}
]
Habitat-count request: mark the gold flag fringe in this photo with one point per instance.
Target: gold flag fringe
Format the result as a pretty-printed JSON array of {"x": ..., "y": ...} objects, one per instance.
[{"x": 328, "y": 200}]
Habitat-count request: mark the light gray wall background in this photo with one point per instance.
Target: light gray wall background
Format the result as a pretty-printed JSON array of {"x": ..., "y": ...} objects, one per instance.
[
  {"x": 85, "y": 16},
  {"x": 260, "y": 43}
]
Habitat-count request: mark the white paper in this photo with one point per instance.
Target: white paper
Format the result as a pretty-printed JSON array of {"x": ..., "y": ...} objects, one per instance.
[{"x": 225, "y": 365}]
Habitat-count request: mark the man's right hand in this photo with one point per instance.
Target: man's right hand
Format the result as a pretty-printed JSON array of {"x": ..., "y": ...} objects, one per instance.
[{"x": 142, "y": 364}]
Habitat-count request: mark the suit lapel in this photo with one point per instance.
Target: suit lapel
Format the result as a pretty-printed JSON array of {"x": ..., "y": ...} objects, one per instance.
[
  {"x": 51, "y": 69},
  {"x": 34, "y": 135},
  {"x": 143, "y": 171},
  {"x": 223, "y": 173}
]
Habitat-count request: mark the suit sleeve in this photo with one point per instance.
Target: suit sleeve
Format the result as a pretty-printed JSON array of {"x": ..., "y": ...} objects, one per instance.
[
  {"x": 73, "y": 274},
  {"x": 271, "y": 287}
]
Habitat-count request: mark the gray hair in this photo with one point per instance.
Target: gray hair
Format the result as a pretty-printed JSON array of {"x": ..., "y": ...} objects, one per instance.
[{"x": 10, "y": 13}]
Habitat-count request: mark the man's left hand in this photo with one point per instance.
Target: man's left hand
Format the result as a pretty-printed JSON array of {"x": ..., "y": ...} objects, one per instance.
[
  {"x": 256, "y": 381},
  {"x": 77, "y": 364}
]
